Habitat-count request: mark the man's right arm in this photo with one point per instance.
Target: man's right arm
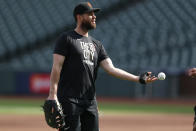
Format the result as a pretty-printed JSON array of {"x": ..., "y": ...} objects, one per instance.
[{"x": 58, "y": 61}]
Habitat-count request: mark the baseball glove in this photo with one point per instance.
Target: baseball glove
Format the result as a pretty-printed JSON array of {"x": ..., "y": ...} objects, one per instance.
[
  {"x": 53, "y": 114},
  {"x": 143, "y": 77}
]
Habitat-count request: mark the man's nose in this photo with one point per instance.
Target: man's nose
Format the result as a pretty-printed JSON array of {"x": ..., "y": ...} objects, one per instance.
[{"x": 94, "y": 16}]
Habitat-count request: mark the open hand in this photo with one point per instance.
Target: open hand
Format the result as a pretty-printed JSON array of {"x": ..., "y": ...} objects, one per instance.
[
  {"x": 192, "y": 72},
  {"x": 151, "y": 78},
  {"x": 146, "y": 78}
]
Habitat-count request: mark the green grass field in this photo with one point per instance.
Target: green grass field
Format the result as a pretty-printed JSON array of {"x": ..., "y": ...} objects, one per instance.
[{"x": 31, "y": 106}]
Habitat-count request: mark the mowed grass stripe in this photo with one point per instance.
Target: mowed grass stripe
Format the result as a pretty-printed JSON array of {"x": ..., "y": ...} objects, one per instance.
[
  {"x": 20, "y": 110},
  {"x": 105, "y": 108},
  {"x": 22, "y": 106},
  {"x": 21, "y": 102}
]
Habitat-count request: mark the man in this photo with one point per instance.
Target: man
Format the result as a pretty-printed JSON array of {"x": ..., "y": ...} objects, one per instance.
[
  {"x": 76, "y": 59},
  {"x": 192, "y": 73}
]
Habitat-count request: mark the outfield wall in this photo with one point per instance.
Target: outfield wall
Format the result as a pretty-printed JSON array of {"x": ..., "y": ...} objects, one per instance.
[{"x": 37, "y": 83}]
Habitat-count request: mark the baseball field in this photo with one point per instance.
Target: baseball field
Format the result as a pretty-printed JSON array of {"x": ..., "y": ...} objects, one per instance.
[{"x": 25, "y": 114}]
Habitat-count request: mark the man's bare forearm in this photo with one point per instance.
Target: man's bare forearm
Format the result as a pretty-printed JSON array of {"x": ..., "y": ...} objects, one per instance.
[
  {"x": 54, "y": 79},
  {"x": 121, "y": 74},
  {"x": 55, "y": 75}
]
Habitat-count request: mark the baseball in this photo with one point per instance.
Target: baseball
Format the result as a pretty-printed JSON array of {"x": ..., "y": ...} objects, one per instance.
[{"x": 161, "y": 76}]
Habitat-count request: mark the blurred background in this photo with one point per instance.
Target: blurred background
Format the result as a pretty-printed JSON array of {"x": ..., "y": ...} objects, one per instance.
[{"x": 138, "y": 35}]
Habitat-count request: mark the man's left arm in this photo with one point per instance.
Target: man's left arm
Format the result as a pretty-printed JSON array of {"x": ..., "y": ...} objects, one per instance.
[{"x": 108, "y": 66}]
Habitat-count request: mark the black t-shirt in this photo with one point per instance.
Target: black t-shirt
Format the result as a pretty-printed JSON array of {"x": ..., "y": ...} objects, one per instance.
[{"x": 82, "y": 58}]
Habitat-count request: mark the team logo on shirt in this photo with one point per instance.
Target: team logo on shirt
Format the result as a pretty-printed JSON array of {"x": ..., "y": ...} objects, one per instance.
[{"x": 88, "y": 52}]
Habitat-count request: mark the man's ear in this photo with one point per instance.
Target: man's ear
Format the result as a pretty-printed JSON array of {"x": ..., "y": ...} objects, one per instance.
[{"x": 79, "y": 17}]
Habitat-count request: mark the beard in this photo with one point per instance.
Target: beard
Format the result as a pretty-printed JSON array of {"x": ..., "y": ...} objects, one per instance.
[{"x": 86, "y": 25}]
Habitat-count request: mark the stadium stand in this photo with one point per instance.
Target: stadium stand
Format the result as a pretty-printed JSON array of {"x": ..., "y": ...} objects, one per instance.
[
  {"x": 152, "y": 34},
  {"x": 193, "y": 55}
]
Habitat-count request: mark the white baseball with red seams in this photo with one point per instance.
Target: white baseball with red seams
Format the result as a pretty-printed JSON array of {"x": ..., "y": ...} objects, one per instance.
[{"x": 161, "y": 76}]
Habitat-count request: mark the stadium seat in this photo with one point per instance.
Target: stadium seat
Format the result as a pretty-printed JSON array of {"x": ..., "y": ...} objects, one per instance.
[
  {"x": 193, "y": 56},
  {"x": 136, "y": 32},
  {"x": 184, "y": 58}
]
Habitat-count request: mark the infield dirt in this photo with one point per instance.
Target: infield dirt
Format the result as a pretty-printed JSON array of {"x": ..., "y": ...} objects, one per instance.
[{"x": 108, "y": 122}]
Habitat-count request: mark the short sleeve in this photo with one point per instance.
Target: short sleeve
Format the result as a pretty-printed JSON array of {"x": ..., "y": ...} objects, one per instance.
[
  {"x": 102, "y": 54},
  {"x": 61, "y": 45}
]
